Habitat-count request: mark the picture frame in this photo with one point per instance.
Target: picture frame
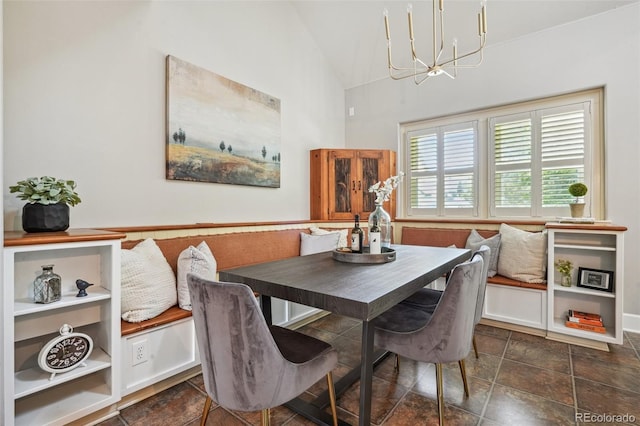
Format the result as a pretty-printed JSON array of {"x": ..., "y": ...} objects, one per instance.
[{"x": 595, "y": 279}]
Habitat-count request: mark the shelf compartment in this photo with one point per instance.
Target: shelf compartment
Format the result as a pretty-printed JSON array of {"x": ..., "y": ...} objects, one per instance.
[
  {"x": 608, "y": 336},
  {"x": 35, "y": 380},
  {"x": 66, "y": 402},
  {"x": 46, "y": 322},
  {"x": 26, "y": 306},
  {"x": 587, "y": 240}
]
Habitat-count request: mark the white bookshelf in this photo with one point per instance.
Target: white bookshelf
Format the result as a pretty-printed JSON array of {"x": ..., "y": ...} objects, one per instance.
[
  {"x": 30, "y": 395},
  {"x": 599, "y": 247}
]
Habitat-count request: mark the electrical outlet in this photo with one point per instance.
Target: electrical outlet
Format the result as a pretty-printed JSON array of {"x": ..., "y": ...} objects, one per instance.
[{"x": 139, "y": 352}]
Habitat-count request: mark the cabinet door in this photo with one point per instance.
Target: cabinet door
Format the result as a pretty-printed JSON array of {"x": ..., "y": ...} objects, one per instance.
[
  {"x": 342, "y": 184},
  {"x": 371, "y": 169}
]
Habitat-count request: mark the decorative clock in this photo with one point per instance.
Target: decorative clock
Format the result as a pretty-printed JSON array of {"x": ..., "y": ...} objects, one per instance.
[{"x": 65, "y": 352}]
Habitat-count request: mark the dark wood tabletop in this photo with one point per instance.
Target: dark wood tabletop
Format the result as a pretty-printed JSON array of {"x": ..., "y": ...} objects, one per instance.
[{"x": 361, "y": 291}]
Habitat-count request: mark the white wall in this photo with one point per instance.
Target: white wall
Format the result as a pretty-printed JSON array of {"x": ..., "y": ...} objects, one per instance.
[
  {"x": 84, "y": 96},
  {"x": 599, "y": 51}
]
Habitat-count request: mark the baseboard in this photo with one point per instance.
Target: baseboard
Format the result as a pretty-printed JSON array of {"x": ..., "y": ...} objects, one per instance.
[
  {"x": 513, "y": 327},
  {"x": 631, "y": 322}
]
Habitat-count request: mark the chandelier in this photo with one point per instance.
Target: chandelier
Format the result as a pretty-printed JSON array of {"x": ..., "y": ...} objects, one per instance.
[{"x": 421, "y": 70}]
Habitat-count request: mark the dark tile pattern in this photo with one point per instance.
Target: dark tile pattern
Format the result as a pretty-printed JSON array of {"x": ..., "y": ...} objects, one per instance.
[{"x": 518, "y": 379}]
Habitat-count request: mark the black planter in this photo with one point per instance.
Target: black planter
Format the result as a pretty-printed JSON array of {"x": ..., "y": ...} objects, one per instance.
[{"x": 45, "y": 218}]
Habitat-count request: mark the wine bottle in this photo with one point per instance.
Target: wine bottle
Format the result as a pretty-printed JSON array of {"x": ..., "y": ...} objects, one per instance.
[
  {"x": 374, "y": 238},
  {"x": 356, "y": 236}
]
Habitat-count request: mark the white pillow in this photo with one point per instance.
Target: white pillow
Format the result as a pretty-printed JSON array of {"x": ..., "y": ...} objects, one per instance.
[
  {"x": 197, "y": 260},
  {"x": 311, "y": 244},
  {"x": 475, "y": 240},
  {"x": 148, "y": 285},
  {"x": 522, "y": 254},
  {"x": 344, "y": 233}
]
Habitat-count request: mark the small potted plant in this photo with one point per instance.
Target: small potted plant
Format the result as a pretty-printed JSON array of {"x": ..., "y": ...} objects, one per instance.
[
  {"x": 578, "y": 190},
  {"x": 48, "y": 200},
  {"x": 564, "y": 267}
]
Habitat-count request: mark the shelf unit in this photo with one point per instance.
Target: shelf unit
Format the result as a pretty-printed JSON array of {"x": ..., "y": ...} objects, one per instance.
[
  {"x": 30, "y": 395},
  {"x": 598, "y": 247}
]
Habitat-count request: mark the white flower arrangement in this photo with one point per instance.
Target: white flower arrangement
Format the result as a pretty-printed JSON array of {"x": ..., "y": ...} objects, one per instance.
[{"x": 383, "y": 190}]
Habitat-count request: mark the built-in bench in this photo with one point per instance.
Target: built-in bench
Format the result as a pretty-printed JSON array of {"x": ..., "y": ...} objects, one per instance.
[
  {"x": 170, "y": 337},
  {"x": 507, "y": 301}
]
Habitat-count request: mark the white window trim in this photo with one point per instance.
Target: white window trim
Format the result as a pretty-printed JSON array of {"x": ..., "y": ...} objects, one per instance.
[{"x": 594, "y": 159}]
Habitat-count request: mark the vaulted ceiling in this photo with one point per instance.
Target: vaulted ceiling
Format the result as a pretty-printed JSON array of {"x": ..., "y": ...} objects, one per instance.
[{"x": 351, "y": 33}]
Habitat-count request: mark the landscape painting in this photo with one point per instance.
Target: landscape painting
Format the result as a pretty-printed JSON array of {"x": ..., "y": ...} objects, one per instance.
[{"x": 218, "y": 130}]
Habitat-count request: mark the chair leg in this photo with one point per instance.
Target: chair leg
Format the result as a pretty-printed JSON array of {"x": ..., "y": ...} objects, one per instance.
[
  {"x": 475, "y": 347},
  {"x": 205, "y": 411},
  {"x": 439, "y": 392},
  {"x": 463, "y": 371},
  {"x": 396, "y": 365},
  {"x": 332, "y": 398},
  {"x": 265, "y": 417}
]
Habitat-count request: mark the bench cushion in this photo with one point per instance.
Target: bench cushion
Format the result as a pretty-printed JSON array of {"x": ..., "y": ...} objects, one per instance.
[{"x": 174, "y": 313}]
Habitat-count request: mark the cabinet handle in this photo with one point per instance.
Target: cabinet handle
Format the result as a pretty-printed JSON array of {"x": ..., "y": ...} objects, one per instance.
[
  {"x": 360, "y": 185},
  {"x": 353, "y": 185}
]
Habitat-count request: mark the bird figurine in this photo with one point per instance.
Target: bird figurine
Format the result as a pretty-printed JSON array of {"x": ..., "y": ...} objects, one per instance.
[{"x": 82, "y": 286}]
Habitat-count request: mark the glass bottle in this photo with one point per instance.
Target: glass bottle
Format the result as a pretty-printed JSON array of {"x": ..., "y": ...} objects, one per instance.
[
  {"x": 47, "y": 286},
  {"x": 384, "y": 223},
  {"x": 374, "y": 238},
  {"x": 357, "y": 235}
]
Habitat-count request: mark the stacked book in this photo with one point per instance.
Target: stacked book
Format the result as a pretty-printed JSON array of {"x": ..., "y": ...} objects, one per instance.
[{"x": 585, "y": 321}]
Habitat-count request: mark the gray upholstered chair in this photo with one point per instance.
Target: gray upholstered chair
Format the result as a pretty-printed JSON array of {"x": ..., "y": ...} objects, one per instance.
[
  {"x": 246, "y": 364},
  {"x": 428, "y": 298},
  {"x": 445, "y": 336}
]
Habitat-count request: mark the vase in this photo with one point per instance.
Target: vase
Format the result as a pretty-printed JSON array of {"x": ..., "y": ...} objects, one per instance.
[
  {"x": 565, "y": 280},
  {"x": 384, "y": 223},
  {"x": 47, "y": 287},
  {"x": 45, "y": 218}
]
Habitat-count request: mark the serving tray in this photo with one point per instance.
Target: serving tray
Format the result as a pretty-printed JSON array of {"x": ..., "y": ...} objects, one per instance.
[{"x": 387, "y": 255}]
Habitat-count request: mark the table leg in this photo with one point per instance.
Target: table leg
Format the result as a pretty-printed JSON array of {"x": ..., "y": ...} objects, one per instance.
[
  {"x": 366, "y": 373},
  {"x": 265, "y": 304}
]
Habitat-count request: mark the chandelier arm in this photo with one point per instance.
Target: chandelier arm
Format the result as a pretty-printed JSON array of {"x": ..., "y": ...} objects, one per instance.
[{"x": 478, "y": 50}]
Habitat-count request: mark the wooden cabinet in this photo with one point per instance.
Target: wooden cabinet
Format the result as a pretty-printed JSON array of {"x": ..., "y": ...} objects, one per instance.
[
  {"x": 340, "y": 181},
  {"x": 30, "y": 395},
  {"x": 597, "y": 248}
]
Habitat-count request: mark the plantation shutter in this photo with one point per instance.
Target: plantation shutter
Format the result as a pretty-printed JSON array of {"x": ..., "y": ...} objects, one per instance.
[
  {"x": 536, "y": 156},
  {"x": 443, "y": 170}
]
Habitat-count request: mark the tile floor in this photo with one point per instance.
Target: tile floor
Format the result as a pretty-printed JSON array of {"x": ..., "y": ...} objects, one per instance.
[{"x": 518, "y": 380}]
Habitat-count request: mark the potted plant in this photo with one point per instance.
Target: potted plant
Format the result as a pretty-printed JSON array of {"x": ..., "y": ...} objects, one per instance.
[
  {"x": 48, "y": 200},
  {"x": 564, "y": 267},
  {"x": 578, "y": 190}
]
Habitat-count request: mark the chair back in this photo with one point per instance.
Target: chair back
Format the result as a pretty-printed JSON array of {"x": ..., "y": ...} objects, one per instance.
[
  {"x": 447, "y": 335},
  {"x": 241, "y": 364},
  {"x": 485, "y": 252}
]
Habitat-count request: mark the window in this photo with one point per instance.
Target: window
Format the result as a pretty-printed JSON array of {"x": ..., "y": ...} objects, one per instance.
[
  {"x": 513, "y": 161},
  {"x": 442, "y": 171}
]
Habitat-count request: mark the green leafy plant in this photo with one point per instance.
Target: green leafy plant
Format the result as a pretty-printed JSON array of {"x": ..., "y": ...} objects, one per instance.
[
  {"x": 46, "y": 190},
  {"x": 578, "y": 190},
  {"x": 564, "y": 266}
]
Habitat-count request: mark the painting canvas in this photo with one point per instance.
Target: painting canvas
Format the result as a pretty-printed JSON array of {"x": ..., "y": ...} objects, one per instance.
[{"x": 219, "y": 130}]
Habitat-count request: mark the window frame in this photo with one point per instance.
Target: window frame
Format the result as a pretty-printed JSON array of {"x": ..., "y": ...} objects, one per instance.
[{"x": 594, "y": 164}]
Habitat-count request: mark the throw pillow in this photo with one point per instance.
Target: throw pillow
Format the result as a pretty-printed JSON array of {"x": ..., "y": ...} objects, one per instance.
[
  {"x": 522, "y": 254},
  {"x": 311, "y": 244},
  {"x": 344, "y": 234},
  {"x": 196, "y": 260},
  {"x": 148, "y": 285},
  {"x": 476, "y": 240}
]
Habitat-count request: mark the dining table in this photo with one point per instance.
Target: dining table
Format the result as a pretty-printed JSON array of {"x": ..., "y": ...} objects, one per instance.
[{"x": 357, "y": 290}]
